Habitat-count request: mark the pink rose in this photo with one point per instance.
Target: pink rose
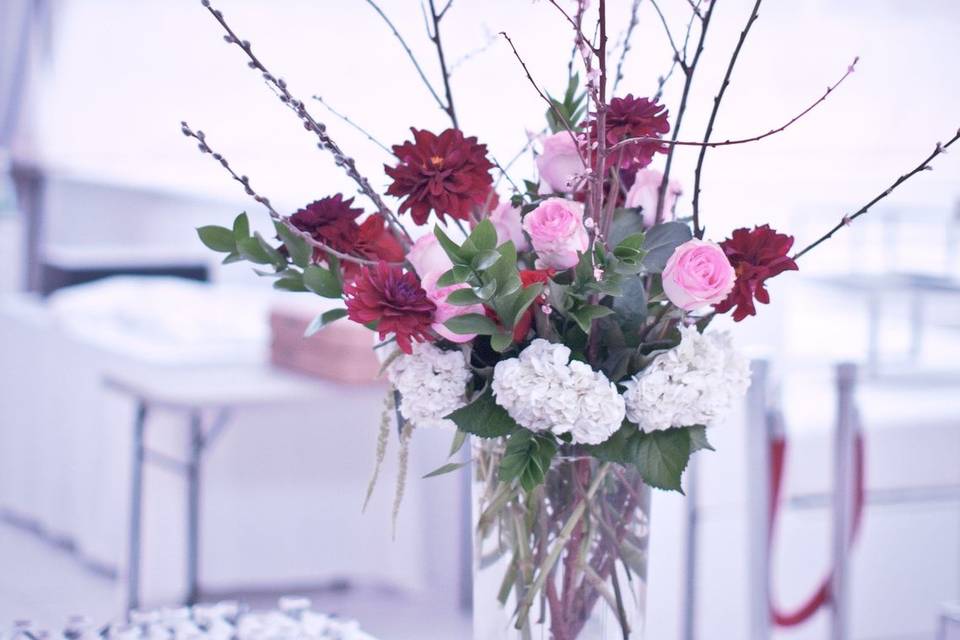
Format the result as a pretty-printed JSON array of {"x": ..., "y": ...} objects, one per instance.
[
  {"x": 506, "y": 220},
  {"x": 560, "y": 164},
  {"x": 698, "y": 274},
  {"x": 557, "y": 233},
  {"x": 644, "y": 194},
  {"x": 445, "y": 310},
  {"x": 426, "y": 255}
]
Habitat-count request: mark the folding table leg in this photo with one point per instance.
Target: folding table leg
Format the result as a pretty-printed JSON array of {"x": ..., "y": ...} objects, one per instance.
[{"x": 136, "y": 507}]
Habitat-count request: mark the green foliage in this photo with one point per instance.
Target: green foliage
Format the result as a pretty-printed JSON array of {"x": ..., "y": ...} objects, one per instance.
[
  {"x": 299, "y": 249},
  {"x": 323, "y": 320},
  {"x": 573, "y": 107},
  {"x": 447, "y": 468},
  {"x": 587, "y": 313},
  {"x": 659, "y": 456},
  {"x": 484, "y": 418},
  {"x": 218, "y": 239},
  {"x": 662, "y": 239},
  {"x": 323, "y": 282},
  {"x": 472, "y": 323},
  {"x": 527, "y": 458}
]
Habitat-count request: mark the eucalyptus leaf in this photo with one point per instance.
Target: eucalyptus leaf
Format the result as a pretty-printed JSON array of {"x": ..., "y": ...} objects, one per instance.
[
  {"x": 463, "y": 297},
  {"x": 662, "y": 240},
  {"x": 472, "y": 323},
  {"x": 485, "y": 259}
]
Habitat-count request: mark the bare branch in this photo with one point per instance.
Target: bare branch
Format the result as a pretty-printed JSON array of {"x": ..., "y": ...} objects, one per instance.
[
  {"x": 326, "y": 143},
  {"x": 728, "y": 142},
  {"x": 677, "y": 57},
  {"x": 634, "y": 8},
  {"x": 205, "y": 148},
  {"x": 435, "y": 38},
  {"x": 576, "y": 24},
  {"x": 847, "y": 219},
  {"x": 353, "y": 124},
  {"x": 491, "y": 39},
  {"x": 689, "y": 70},
  {"x": 697, "y": 231},
  {"x": 413, "y": 58}
]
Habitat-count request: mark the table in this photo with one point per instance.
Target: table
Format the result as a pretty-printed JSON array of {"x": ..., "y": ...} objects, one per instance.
[{"x": 193, "y": 391}]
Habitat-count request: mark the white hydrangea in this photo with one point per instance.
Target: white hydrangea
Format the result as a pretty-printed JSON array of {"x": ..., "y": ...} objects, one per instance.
[
  {"x": 696, "y": 382},
  {"x": 432, "y": 383},
  {"x": 543, "y": 392}
]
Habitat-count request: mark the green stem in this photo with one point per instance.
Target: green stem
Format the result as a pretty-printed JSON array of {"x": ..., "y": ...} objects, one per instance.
[{"x": 523, "y": 609}]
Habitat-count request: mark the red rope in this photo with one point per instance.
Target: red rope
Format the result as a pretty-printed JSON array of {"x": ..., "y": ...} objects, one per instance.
[{"x": 778, "y": 451}]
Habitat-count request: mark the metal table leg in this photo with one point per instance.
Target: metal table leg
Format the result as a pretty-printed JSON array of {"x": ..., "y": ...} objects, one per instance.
[
  {"x": 193, "y": 506},
  {"x": 136, "y": 508}
]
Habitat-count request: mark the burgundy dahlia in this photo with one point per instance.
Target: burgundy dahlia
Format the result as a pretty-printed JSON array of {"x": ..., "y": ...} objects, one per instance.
[
  {"x": 448, "y": 174},
  {"x": 394, "y": 300},
  {"x": 631, "y": 117},
  {"x": 333, "y": 221},
  {"x": 756, "y": 255}
]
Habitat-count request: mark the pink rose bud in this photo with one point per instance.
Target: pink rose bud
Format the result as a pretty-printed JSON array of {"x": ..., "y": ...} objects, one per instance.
[
  {"x": 557, "y": 233},
  {"x": 698, "y": 274},
  {"x": 506, "y": 220},
  {"x": 645, "y": 192},
  {"x": 426, "y": 255},
  {"x": 445, "y": 310},
  {"x": 560, "y": 165}
]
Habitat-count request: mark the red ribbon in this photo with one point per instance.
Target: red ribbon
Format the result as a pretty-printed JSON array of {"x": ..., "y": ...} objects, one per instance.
[{"x": 778, "y": 451}]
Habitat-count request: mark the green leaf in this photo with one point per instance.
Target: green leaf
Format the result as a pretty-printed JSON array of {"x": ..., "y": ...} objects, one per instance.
[
  {"x": 500, "y": 342},
  {"x": 626, "y": 222},
  {"x": 447, "y": 468},
  {"x": 631, "y": 247},
  {"x": 472, "y": 323},
  {"x": 484, "y": 417},
  {"x": 463, "y": 297},
  {"x": 322, "y": 282},
  {"x": 300, "y": 251},
  {"x": 276, "y": 258},
  {"x": 241, "y": 226},
  {"x": 253, "y": 251},
  {"x": 290, "y": 282},
  {"x": 631, "y": 307},
  {"x": 486, "y": 291},
  {"x": 483, "y": 238},
  {"x": 231, "y": 258},
  {"x": 456, "y": 275},
  {"x": 457, "y": 254},
  {"x": 662, "y": 456},
  {"x": 485, "y": 259},
  {"x": 662, "y": 240},
  {"x": 527, "y": 458},
  {"x": 698, "y": 439},
  {"x": 586, "y": 314},
  {"x": 217, "y": 238},
  {"x": 323, "y": 320},
  {"x": 459, "y": 438},
  {"x": 521, "y": 301}
]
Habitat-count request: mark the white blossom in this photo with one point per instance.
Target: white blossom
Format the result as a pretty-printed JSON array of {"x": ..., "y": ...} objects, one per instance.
[
  {"x": 696, "y": 382},
  {"x": 543, "y": 391},
  {"x": 432, "y": 383}
]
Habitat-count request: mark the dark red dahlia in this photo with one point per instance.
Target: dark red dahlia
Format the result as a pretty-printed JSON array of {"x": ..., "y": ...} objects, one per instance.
[
  {"x": 631, "y": 117},
  {"x": 756, "y": 255},
  {"x": 448, "y": 174},
  {"x": 333, "y": 221},
  {"x": 395, "y": 300}
]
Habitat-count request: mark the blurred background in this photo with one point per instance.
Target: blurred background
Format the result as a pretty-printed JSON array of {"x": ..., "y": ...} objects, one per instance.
[{"x": 111, "y": 310}]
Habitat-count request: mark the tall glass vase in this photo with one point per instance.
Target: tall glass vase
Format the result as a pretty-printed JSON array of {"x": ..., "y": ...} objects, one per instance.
[{"x": 566, "y": 560}]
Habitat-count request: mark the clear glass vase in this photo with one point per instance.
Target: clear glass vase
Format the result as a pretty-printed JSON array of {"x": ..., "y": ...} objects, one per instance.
[{"x": 566, "y": 560}]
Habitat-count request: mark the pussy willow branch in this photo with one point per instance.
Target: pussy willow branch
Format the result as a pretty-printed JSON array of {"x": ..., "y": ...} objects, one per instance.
[
  {"x": 634, "y": 9},
  {"x": 326, "y": 143},
  {"x": 847, "y": 219},
  {"x": 697, "y": 231},
  {"x": 435, "y": 38},
  {"x": 205, "y": 148},
  {"x": 409, "y": 52},
  {"x": 729, "y": 142},
  {"x": 689, "y": 70},
  {"x": 353, "y": 124}
]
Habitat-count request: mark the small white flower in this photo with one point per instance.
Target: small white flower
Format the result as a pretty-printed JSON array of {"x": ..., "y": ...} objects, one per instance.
[
  {"x": 696, "y": 382},
  {"x": 543, "y": 391},
  {"x": 432, "y": 383}
]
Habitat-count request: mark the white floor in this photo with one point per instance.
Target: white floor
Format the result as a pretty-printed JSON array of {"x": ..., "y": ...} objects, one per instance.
[{"x": 46, "y": 585}]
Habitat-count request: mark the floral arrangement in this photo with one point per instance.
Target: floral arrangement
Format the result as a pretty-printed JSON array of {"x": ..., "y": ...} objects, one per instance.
[{"x": 562, "y": 322}]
